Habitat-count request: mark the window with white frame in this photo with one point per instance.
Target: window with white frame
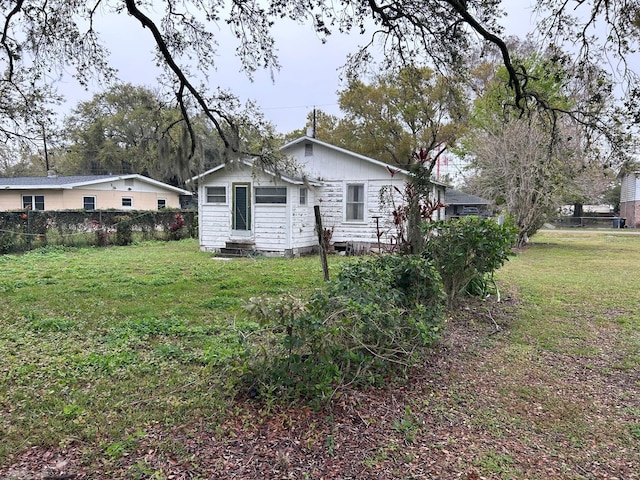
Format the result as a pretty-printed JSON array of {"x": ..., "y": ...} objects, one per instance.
[
  {"x": 33, "y": 202},
  {"x": 127, "y": 201},
  {"x": 162, "y": 203},
  {"x": 303, "y": 195},
  {"x": 216, "y": 194},
  {"x": 89, "y": 202},
  {"x": 271, "y": 194},
  {"x": 355, "y": 202}
]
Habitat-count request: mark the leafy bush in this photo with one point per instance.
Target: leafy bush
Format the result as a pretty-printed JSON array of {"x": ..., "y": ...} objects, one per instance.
[
  {"x": 124, "y": 232},
  {"x": 25, "y": 230},
  {"x": 467, "y": 251},
  {"x": 376, "y": 316}
]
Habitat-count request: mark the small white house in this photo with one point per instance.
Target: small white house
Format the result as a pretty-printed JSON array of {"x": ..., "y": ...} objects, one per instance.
[
  {"x": 243, "y": 207},
  {"x": 630, "y": 198}
]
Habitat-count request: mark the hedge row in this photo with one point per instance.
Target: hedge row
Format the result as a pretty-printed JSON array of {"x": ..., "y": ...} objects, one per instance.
[{"x": 25, "y": 230}]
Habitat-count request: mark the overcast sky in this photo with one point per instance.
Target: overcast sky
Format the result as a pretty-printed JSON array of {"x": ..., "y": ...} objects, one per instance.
[{"x": 309, "y": 77}]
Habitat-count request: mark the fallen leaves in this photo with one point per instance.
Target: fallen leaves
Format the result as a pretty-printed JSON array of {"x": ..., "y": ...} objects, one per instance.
[{"x": 475, "y": 410}]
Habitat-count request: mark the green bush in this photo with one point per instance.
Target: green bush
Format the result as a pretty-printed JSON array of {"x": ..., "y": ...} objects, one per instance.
[
  {"x": 377, "y": 316},
  {"x": 24, "y": 230},
  {"x": 467, "y": 251},
  {"x": 124, "y": 232}
]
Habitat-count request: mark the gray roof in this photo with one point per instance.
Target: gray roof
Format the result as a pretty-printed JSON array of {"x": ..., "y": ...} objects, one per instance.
[
  {"x": 456, "y": 197},
  {"x": 54, "y": 182}
]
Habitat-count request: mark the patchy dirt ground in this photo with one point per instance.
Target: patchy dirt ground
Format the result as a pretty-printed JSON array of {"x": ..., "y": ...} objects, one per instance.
[{"x": 481, "y": 406}]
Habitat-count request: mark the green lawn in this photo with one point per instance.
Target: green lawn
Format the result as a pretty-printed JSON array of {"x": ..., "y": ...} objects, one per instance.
[
  {"x": 89, "y": 336},
  {"x": 109, "y": 353}
]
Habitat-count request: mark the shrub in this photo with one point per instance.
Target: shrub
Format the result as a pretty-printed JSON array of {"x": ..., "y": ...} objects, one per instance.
[
  {"x": 376, "y": 316},
  {"x": 467, "y": 251},
  {"x": 176, "y": 228},
  {"x": 124, "y": 231}
]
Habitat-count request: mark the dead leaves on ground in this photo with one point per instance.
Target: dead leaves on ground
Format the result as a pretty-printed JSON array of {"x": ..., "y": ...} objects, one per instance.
[{"x": 477, "y": 409}]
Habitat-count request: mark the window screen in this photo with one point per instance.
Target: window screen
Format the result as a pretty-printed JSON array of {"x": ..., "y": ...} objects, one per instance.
[
  {"x": 271, "y": 194},
  {"x": 216, "y": 195}
]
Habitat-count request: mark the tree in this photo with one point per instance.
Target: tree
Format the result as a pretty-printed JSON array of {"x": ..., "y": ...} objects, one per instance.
[
  {"x": 527, "y": 162},
  {"x": 406, "y": 118},
  {"x": 514, "y": 168},
  {"x": 126, "y": 129},
  {"x": 40, "y": 39},
  {"x": 401, "y": 112}
]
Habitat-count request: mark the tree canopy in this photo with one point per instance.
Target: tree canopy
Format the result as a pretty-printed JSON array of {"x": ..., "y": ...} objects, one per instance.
[
  {"x": 42, "y": 38},
  {"x": 527, "y": 164}
]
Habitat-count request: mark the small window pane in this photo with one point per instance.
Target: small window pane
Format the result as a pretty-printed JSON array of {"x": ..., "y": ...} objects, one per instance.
[
  {"x": 89, "y": 203},
  {"x": 162, "y": 203},
  {"x": 127, "y": 202},
  {"x": 216, "y": 195},
  {"x": 303, "y": 196},
  {"x": 271, "y": 195},
  {"x": 39, "y": 202},
  {"x": 27, "y": 202}
]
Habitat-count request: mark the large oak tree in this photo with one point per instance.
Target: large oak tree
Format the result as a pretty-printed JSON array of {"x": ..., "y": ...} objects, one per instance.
[{"x": 41, "y": 38}]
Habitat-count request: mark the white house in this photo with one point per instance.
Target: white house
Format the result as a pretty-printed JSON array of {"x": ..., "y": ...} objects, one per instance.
[
  {"x": 630, "y": 198},
  {"x": 242, "y": 207}
]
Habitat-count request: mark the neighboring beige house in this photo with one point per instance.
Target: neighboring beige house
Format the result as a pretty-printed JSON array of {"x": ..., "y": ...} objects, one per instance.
[
  {"x": 88, "y": 192},
  {"x": 630, "y": 198}
]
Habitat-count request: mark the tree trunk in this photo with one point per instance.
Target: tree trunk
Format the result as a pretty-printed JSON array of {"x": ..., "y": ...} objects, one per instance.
[{"x": 577, "y": 210}]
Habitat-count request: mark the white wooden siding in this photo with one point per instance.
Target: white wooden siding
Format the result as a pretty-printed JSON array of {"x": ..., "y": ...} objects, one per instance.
[
  {"x": 332, "y": 208},
  {"x": 629, "y": 188},
  {"x": 270, "y": 227},
  {"x": 214, "y": 223}
]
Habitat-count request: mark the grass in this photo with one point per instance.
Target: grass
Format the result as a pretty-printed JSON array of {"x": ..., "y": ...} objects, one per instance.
[
  {"x": 102, "y": 348},
  {"x": 100, "y": 343},
  {"x": 574, "y": 287}
]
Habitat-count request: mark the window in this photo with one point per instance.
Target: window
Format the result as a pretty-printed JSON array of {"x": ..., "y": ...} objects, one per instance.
[
  {"x": 127, "y": 202},
  {"x": 216, "y": 195},
  {"x": 89, "y": 203},
  {"x": 162, "y": 203},
  {"x": 33, "y": 202},
  {"x": 308, "y": 149},
  {"x": 303, "y": 196},
  {"x": 271, "y": 194},
  {"x": 355, "y": 202}
]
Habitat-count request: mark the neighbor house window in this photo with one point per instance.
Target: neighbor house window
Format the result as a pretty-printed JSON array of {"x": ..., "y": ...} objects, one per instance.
[
  {"x": 127, "y": 202},
  {"x": 216, "y": 195},
  {"x": 271, "y": 194},
  {"x": 303, "y": 196},
  {"x": 162, "y": 203},
  {"x": 89, "y": 203},
  {"x": 33, "y": 202},
  {"x": 355, "y": 202}
]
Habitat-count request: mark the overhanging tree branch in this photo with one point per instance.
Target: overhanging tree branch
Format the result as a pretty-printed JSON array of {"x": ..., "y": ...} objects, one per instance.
[{"x": 182, "y": 79}]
